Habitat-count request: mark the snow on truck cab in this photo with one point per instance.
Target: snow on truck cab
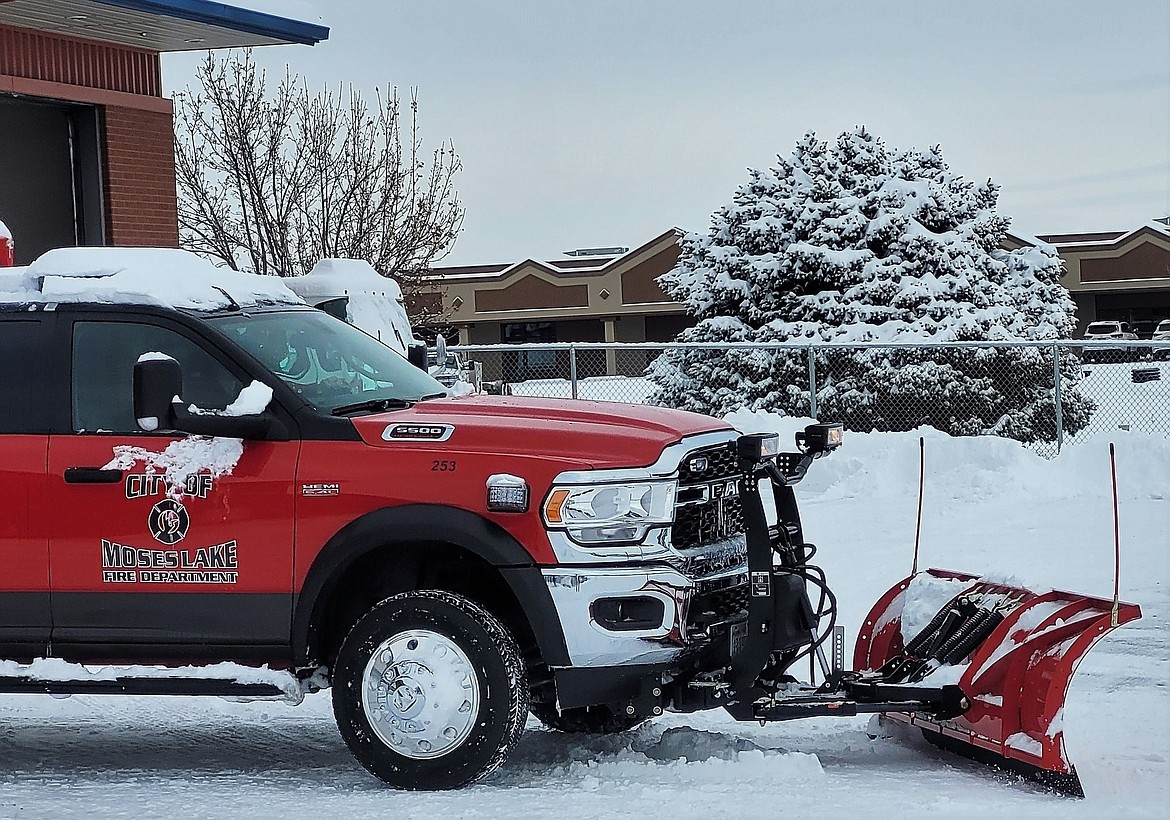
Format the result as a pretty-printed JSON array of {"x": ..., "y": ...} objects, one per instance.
[{"x": 252, "y": 484}]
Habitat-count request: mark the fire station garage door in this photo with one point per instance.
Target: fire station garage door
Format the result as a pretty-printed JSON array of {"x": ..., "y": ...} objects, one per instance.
[{"x": 50, "y": 173}]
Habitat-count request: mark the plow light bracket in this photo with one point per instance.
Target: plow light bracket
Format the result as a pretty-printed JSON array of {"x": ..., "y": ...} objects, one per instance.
[
  {"x": 820, "y": 438},
  {"x": 756, "y": 447}
]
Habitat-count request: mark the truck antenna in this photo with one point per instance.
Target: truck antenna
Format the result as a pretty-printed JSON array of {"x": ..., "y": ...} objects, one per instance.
[
  {"x": 1116, "y": 537},
  {"x": 921, "y": 487}
]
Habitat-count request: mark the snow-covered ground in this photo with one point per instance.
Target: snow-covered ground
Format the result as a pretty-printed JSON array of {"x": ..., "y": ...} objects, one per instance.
[{"x": 991, "y": 506}]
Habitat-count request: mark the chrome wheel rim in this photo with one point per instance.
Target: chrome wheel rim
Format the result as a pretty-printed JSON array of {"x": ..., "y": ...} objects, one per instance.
[{"x": 420, "y": 694}]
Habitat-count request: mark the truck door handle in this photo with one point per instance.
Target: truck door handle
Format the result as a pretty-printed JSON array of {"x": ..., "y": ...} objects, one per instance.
[{"x": 92, "y": 475}]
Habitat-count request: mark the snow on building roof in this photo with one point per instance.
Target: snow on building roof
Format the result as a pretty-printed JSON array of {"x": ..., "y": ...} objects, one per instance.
[
  {"x": 375, "y": 301},
  {"x": 166, "y": 277}
]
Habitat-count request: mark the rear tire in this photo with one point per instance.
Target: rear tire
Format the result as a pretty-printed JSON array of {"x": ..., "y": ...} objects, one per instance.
[
  {"x": 586, "y": 720},
  {"x": 430, "y": 691}
]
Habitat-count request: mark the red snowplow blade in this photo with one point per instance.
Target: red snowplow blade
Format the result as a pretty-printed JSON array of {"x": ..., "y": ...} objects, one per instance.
[{"x": 1016, "y": 679}]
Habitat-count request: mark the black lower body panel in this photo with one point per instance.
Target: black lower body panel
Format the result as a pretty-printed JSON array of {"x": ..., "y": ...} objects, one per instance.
[{"x": 162, "y": 627}]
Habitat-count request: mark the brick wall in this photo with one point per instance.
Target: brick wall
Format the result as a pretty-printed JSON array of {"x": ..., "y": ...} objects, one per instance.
[{"x": 139, "y": 172}]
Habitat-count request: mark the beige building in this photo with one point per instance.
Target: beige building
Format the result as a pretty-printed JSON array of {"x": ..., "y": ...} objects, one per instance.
[
  {"x": 1119, "y": 275},
  {"x": 591, "y": 298},
  {"x": 612, "y": 297}
]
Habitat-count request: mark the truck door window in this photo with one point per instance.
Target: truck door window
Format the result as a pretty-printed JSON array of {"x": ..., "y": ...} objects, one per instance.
[
  {"x": 22, "y": 372},
  {"x": 104, "y": 354}
]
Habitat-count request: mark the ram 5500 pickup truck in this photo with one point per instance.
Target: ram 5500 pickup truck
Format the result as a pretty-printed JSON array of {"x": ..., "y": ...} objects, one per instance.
[{"x": 446, "y": 565}]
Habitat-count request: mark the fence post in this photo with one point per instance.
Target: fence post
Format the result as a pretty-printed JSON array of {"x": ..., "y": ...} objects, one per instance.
[
  {"x": 573, "y": 370},
  {"x": 1056, "y": 395},
  {"x": 812, "y": 382}
]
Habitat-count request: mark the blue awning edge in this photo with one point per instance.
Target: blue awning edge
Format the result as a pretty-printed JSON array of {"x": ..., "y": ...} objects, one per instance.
[{"x": 230, "y": 17}]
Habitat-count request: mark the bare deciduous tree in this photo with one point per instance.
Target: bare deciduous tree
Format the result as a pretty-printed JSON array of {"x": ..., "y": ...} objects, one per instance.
[{"x": 271, "y": 183}]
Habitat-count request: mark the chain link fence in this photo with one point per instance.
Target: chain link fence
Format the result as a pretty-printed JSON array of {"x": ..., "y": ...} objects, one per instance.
[{"x": 1128, "y": 386}]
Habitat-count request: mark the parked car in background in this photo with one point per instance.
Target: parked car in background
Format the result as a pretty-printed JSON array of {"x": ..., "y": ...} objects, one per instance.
[
  {"x": 1121, "y": 331},
  {"x": 1162, "y": 334}
]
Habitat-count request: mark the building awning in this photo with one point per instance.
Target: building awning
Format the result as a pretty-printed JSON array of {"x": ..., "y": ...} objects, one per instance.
[{"x": 161, "y": 25}]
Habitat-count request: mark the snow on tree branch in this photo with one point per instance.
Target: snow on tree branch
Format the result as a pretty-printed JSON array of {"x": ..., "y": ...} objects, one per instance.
[
  {"x": 273, "y": 181},
  {"x": 855, "y": 241}
]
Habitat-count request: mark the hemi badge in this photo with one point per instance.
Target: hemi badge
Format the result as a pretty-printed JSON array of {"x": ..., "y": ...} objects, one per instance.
[{"x": 320, "y": 489}]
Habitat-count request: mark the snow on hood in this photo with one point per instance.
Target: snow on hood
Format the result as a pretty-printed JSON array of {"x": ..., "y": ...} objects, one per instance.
[
  {"x": 375, "y": 301},
  {"x": 4, "y": 232},
  {"x": 144, "y": 276}
]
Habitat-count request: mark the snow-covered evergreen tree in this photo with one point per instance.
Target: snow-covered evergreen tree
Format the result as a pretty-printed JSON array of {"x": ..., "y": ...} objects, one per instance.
[{"x": 855, "y": 241}]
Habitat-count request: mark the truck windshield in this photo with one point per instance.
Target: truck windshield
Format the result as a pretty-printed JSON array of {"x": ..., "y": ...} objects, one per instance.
[{"x": 330, "y": 363}]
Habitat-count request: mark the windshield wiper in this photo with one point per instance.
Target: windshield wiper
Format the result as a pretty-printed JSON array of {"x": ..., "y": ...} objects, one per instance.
[{"x": 373, "y": 405}]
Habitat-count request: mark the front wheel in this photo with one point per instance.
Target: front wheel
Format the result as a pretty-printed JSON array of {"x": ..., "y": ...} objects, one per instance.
[{"x": 430, "y": 691}]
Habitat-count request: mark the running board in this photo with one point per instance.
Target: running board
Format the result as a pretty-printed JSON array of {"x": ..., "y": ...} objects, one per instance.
[
  {"x": 52, "y": 676},
  {"x": 142, "y": 686}
]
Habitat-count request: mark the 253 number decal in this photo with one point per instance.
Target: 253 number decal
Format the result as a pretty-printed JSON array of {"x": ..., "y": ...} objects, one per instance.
[{"x": 438, "y": 466}]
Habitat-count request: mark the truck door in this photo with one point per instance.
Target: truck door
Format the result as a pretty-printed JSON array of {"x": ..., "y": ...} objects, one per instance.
[
  {"x": 143, "y": 566},
  {"x": 25, "y": 372}
]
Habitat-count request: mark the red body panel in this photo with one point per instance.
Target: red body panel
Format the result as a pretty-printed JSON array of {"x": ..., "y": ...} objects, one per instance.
[
  {"x": 536, "y": 439},
  {"x": 24, "y": 541},
  {"x": 252, "y": 507},
  {"x": 595, "y": 433},
  {"x": 1018, "y": 677}
]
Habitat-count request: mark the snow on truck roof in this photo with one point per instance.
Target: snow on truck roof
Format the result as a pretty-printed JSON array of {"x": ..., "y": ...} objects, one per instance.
[
  {"x": 374, "y": 301},
  {"x": 167, "y": 277}
]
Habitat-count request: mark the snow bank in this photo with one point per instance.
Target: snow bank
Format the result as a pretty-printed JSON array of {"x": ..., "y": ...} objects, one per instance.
[
  {"x": 885, "y": 465},
  {"x": 375, "y": 301},
  {"x": 153, "y": 276}
]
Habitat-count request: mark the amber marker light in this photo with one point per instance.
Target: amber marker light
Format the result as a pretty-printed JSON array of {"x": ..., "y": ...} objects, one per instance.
[{"x": 552, "y": 509}]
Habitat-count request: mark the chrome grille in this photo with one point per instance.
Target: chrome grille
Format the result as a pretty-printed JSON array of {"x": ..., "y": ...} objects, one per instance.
[{"x": 709, "y": 508}]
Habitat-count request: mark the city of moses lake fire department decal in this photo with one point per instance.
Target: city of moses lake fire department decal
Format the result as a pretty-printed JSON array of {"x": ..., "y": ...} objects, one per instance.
[{"x": 168, "y": 523}]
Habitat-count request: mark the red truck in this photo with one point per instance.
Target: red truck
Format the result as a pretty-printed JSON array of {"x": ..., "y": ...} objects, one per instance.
[{"x": 202, "y": 470}]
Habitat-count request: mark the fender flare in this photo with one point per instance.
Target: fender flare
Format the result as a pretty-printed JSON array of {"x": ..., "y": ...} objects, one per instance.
[{"x": 392, "y": 527}]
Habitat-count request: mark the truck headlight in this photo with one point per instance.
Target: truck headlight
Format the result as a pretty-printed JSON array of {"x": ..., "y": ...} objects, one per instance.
[{"x": 610, "y": 514}]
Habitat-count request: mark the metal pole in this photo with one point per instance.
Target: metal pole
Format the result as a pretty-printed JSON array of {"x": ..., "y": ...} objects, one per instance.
[
  {"x": 1056, "y": 395},
  {"x": 573, "y": 371},
  {"x": 812, "y": 383}
]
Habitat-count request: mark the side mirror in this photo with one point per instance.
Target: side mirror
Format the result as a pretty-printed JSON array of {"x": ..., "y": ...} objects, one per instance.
[
  {"x": 158, "y": 380},
  {"x": 440, "y": 350},
  {"x": 416, "y": 354},
  {"x": 158, "y": 388}
]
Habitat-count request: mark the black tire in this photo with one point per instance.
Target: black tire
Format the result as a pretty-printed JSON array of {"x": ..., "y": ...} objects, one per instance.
[
  {"x": 585, "y": 720},
  {"x": 500, "y": 674}
]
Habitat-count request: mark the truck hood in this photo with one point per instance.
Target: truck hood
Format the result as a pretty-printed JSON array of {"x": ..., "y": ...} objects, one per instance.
[{"x": 602, "y": 435}]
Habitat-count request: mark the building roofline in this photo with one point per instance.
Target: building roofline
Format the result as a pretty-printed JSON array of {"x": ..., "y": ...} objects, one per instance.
[
  {"x": 226, "y": 16},
  {"x": 499, "y": 271},
  {"x": 1105, "y": 240}
]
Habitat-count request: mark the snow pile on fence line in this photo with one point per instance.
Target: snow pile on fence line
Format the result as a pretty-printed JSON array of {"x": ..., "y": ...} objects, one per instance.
[
  {"x": 885, "y": 465},
  {"x": 145, "y": 276}
]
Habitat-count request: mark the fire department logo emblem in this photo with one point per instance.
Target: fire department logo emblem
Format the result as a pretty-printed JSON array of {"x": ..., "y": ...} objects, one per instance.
[{"x": 169, "y": 521}]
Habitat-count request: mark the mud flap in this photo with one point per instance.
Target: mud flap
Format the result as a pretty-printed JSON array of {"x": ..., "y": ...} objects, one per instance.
[{"x": 1016, "y": 679}]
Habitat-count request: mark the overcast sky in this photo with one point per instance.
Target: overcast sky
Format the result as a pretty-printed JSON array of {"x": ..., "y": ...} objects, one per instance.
[{"x": 604, "y": 122}]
